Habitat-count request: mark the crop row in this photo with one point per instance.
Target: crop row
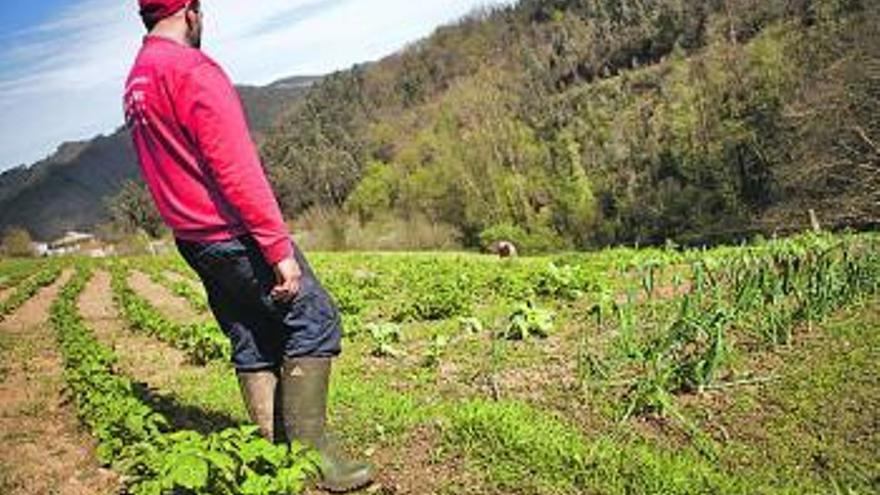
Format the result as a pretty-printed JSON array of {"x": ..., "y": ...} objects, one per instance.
[
  {"x": 727, "y": 304},
  {"x": 12, "y": 272},
  {"x": 421, "y": 288},
  {"x": 140, "y": 443},
  {"x": 27, "y": 288},
  {"x": 202, "y": 342}
]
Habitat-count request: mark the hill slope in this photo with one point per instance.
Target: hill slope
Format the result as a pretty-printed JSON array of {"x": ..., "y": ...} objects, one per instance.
[{"x": 590, "y": 122}]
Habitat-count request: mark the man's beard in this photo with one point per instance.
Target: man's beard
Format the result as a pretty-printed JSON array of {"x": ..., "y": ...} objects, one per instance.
[{"x": 194, "y": 37}]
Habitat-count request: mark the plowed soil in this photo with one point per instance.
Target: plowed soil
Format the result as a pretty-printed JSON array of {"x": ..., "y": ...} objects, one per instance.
[{"x": 44, "y": 450}]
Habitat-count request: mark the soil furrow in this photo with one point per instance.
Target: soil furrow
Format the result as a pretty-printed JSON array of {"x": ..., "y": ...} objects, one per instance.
[
  {"x": 44, "y": 449},
  {"x": 173, "y": 307}
]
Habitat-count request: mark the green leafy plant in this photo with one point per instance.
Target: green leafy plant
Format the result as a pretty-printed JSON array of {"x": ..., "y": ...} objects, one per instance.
[
  {"x": 28, "y": 288},
  {"x": 435, "y": 298},
  {"x": 527, "y": 320},
  {"x": 13, "y": 272},
  {"x": 470, "y": 325},
  {"x": 384, "y": 337},
  {"x": 230, "y": 462},
  {"x": 139, "y": 442},
  {"x": 435, "y": 351},
  {"x": 566, "y": 281}
]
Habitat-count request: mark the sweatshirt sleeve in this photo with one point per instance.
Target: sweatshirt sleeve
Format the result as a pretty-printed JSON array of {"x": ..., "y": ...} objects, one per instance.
[{"x": 211, "y": 111}]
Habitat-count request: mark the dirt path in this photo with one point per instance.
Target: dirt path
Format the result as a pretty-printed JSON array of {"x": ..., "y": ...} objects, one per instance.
[
  {"x": 195, "y": 284},
  {"x": 176, "y": 277},
  {"x": 44, "y": 452},
  {"x": 171, "y": 306}
]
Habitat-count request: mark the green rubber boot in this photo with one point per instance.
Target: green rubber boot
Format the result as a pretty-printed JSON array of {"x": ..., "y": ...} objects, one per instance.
[
  {"x": 258, "y": 388},
  {"x": 304, "y": 383}
]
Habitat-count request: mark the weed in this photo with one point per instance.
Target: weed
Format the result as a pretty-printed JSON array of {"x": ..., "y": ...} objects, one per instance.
[
  {"x": 435, "y": 351},
  {"x": 528, "y": 320},
  {"x": 384, "y": 338}
]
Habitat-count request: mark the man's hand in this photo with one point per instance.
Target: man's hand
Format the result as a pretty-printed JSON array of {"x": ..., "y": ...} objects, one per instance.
[{"x": 287, "y": 275}]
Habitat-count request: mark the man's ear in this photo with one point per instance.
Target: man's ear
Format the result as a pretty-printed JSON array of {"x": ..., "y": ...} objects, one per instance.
[
  {"x": 192, "y": 16},
  {"x": 192, "y": 13}
]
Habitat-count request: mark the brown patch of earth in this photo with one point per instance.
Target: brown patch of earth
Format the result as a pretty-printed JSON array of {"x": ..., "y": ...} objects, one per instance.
[
  {"x": 177, "y": 278},
  {"x": 170, "y": 305},
  {"x": 44, "y": 452},
  {"x": 411, "y": 468},
  {"x": 534, "y": 382}
]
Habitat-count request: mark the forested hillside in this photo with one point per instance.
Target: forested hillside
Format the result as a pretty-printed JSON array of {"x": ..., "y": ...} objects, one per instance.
[{"x": 580, "y": 123}]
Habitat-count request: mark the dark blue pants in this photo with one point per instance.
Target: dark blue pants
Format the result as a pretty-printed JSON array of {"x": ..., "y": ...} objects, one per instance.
[{"x": 238, "y": 281}]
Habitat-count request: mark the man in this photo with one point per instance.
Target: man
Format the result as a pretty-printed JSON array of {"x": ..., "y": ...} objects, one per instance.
[{"x": 205, "y": 177}]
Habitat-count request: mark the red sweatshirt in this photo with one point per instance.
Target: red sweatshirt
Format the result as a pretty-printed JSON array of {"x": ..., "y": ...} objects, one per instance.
[{"x": 195, "y": 151}]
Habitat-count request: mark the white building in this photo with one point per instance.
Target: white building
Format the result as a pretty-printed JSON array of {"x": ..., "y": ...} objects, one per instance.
[{"x": 72, "y": 242}]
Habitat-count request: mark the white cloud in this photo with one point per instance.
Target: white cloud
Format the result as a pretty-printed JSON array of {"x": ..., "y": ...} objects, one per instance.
[{"x": 62, "y": 80}]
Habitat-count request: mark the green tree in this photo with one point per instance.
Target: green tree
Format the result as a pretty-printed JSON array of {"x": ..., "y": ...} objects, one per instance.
[
  {"x": 17, "y": 243},
  {"x": 132, "y": 209},
  {"x": 375, "y": 194},
  {"x": 573, "y": 209}
]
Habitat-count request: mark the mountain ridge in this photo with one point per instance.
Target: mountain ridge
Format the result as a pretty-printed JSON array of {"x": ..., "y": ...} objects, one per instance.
[{"x": 577, "y": 124}]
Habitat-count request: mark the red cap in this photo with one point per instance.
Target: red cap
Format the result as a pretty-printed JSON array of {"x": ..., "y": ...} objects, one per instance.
[{"x": 153, "y": 11}]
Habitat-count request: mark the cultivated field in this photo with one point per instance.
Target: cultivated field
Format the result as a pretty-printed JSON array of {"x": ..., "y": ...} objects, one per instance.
[{"x": 749, "y": 369}]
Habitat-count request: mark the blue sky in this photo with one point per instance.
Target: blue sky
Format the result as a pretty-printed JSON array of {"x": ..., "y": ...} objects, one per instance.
[
  {"x": 63, "y": 63},
  {"x": 16, "y": 16}
]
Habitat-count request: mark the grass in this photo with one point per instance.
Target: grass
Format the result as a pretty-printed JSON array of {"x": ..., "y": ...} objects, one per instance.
[
  {"x": 818, "y": 423},
  {"x": 368, "y": 412},
  {"x": 524, "y": 450},
  {"x": 212, "y": 388},
  {"x": 6, "y": 347}
]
